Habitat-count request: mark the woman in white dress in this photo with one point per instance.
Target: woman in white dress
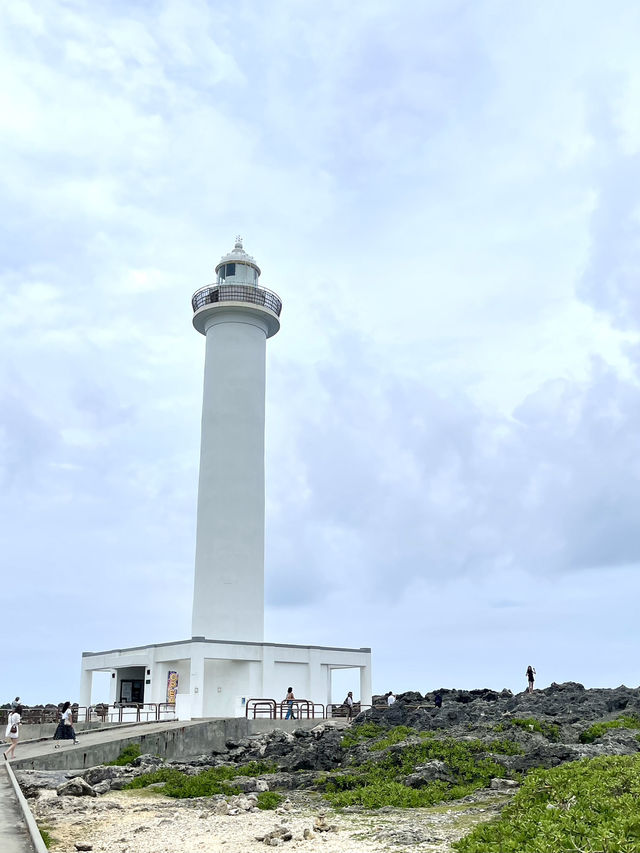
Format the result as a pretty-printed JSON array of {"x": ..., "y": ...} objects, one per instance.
[{"x": 12, "y": 734}]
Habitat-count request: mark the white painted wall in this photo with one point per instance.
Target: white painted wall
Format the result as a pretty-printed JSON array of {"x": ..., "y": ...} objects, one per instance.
[
  {"x": 226, "y": 683},
  {"x": 294, "y": 675},
  {"x": 228, "y": 600}
]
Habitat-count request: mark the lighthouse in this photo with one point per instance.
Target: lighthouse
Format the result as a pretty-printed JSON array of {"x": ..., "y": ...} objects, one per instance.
[
  {"x": 237, "y": 316},
  {"x": 226, "y": 666}
]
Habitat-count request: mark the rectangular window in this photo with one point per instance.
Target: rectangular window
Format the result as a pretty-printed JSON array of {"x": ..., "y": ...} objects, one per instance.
[{"x": 231, "y": 269}]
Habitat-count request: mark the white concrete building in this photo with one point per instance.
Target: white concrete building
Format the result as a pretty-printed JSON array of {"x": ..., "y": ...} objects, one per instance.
[{"x": 226, "y": 661}]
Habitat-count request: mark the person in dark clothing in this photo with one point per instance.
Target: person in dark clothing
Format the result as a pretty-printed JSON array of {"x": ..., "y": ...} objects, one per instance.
[
  {"x": 437, "y": 700},
  {"x": 531, "y": 677},
  {"x": 65, "y": 730}
]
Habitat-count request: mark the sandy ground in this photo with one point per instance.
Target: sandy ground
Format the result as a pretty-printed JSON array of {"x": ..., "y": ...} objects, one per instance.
[{"x": 133, "y": 822}]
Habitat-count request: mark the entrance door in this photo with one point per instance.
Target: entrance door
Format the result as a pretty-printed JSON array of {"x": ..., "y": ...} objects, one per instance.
[{"x": 132, "y": 691}]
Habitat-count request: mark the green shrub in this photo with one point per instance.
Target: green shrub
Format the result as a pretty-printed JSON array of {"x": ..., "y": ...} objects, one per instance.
[
  {"x": 550, "y": 730},
  {"x": 269, "y": 800},
  {"x": 396, "y": 735},
  {"x": 128, "y": 754},
  {"x": 206, "y": 784},
  {"x": 360, "y": 732},
  {"x": 182, "y": 786},
  {"x": 588, "y": 805},
  {"x": 376, "y": 783},
  {"x": 504, "y": 747},
  {"x": 626, "y": 721}
]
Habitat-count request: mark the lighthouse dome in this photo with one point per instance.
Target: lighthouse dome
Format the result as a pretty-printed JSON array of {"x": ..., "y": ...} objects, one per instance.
[{"x": 237, "y": 267}]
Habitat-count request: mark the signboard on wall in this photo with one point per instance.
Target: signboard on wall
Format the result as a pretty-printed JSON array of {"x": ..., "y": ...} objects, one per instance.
[{"x": 172, "y": 686}]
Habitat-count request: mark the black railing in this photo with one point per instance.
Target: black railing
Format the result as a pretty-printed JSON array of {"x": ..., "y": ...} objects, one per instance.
[{"x": 215, "y": 293}]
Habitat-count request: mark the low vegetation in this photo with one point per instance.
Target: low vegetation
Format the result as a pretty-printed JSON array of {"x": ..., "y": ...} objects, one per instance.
[
  {"x": 363, "y": 732},
  {"x": 46, "y": 836},
  {"x": 128, "y": 754},
  {"x": 589, "y": 805},
  {"x": 626, "y": 721},
  {"x": 269, "y": 800},
  {"x": 378, "y": 782},
  {"x": 216, "y": 780},
  {"x": 549, "y": 730}
]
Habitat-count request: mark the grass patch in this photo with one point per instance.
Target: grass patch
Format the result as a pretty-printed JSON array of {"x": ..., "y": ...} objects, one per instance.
[
  {"x": 128, "y": 754},
  {"x": 216, "y": 780},
  {"x": 587, "y": 805},
  {"x": 378, "y": 783},
  {"x": 269, "y": 800},
  {"x": 46, "y": 836},
  {"x": 626, "y": 721}
]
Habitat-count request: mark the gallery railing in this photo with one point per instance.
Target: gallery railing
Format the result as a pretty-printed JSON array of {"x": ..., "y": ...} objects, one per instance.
[{"x": 215, "y": 293}]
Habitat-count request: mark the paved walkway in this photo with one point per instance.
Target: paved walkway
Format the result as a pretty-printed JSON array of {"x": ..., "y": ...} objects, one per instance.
[{"x": 14, "y": 837}]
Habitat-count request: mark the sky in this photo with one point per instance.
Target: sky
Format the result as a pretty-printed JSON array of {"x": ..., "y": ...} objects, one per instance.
[{"x": 445, "y": 197}]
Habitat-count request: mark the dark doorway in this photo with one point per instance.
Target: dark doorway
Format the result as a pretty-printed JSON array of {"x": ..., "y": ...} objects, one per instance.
[{"x": 132, "y": 690}]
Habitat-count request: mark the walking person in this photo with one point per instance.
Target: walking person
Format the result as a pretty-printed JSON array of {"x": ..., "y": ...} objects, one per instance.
[
  {"x": 290, "y": 699},
  {"x": 12, "y": 733},
  {"x": 531, "y": 677},
  {"x": 65, "y": 730}
]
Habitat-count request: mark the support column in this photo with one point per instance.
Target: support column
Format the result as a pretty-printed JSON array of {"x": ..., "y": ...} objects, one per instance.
[
  {"x": 365, "y": 685},
  {"x": 328, "y": 686},
  {"x": 316, "y": 681},
  {"x": 196, "y": 685},
  {"x": 86, "y": 685}
]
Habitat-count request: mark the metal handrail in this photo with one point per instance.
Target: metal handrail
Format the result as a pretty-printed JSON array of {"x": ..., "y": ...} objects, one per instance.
[
  {"x": 214, "y": 293},
  {"x": 305, "y": 708},
  {"x": 83, "y": 714},
  {"x": 261, "y": 707}
]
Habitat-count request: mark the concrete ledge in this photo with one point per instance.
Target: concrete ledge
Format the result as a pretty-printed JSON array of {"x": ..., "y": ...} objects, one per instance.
[
  {"x": 168, "y": 740},
  {"x": 32, "y": 827}
]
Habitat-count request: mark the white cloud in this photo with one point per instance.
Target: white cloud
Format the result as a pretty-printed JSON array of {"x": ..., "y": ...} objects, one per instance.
[{"x": 451, "y": 431}]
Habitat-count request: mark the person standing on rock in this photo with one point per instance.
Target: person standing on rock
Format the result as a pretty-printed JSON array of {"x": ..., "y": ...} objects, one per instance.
[
  {"x": 12, "y": 733},
  {"x": 348, "y": 703},
  {"x": 290, "y": 699},
  {"x": 390, "y": 698},
  {"x": 531, "y": 677},
  {"x": 65, "y": 730}
]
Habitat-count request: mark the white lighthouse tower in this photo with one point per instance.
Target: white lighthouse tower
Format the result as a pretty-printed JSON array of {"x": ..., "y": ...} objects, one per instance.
[
  {"x": 226, "y": 663},
  {"x": 236, "y": 316}
]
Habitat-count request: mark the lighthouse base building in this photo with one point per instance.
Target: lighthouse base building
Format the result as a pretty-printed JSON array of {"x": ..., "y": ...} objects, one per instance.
[
  {"x": 218, "y": 678},
  {"x": 227, "y": 663}
]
